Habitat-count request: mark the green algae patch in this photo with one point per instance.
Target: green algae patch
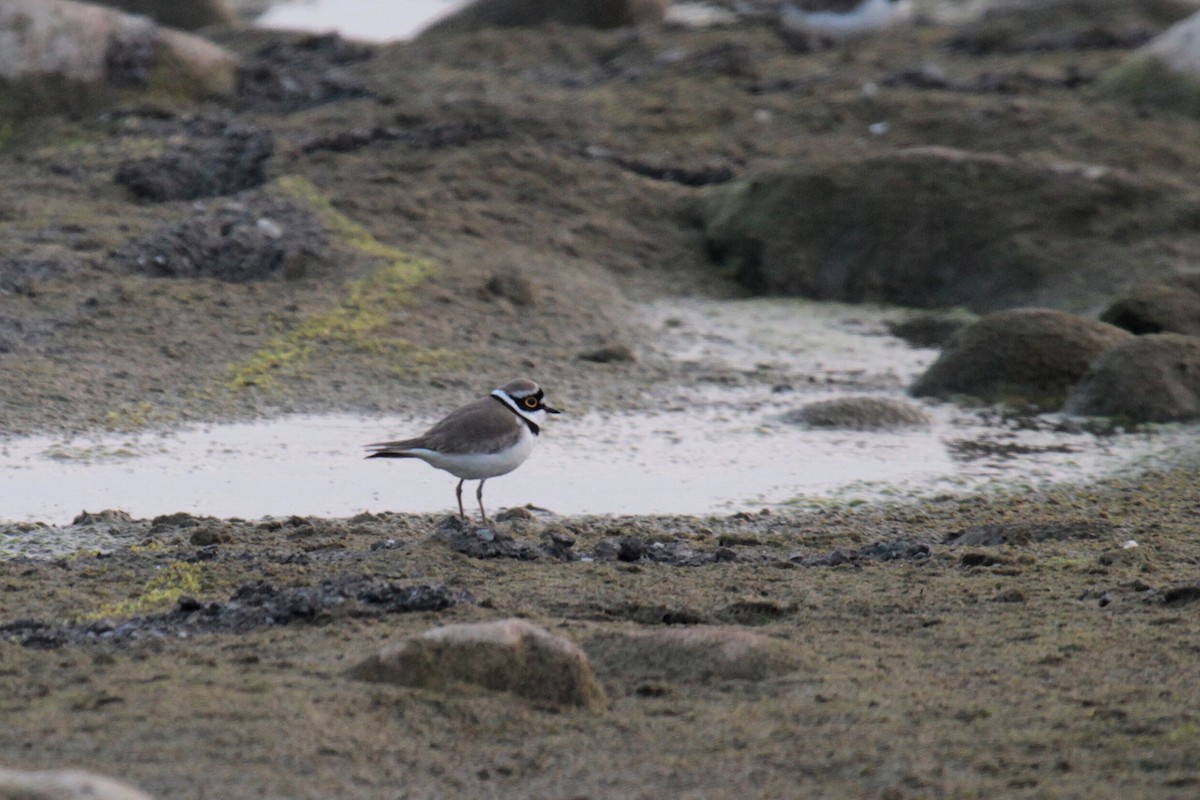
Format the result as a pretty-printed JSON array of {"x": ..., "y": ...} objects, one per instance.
[
  {"x": 160, "y": 593},
  {"x": 359, "y": 322},
  {"x": 1145, "y": 80}
]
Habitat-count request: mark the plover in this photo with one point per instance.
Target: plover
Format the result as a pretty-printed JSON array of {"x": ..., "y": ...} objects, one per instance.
[{"x": 490, "y": 437}]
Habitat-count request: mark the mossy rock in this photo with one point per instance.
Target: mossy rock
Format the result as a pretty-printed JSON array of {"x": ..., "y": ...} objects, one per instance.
[
  {"x": 937, "y": 227},
  {"x": 1153, "y": 378},
  {"x": 1147, "y": 80},
  {"x": 1030, "y": 355}
]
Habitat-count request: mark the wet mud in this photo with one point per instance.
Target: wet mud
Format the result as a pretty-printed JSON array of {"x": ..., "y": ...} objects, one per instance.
[
  {"x": 1031, "y": 621},
  {"x": 492, "y": 204}
]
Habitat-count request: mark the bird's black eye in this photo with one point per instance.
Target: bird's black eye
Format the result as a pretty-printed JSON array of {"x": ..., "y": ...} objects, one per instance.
[{"x": 531, "y": 402}]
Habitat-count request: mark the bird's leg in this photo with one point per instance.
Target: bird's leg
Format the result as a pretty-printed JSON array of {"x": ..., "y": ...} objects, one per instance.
[
  {"x": 458, "y": 493},
  {"x": 479, "y": 497}
]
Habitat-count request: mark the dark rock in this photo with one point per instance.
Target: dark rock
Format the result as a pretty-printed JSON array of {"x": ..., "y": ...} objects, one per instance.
[
  {"x": 263, "y": 604},
  {"x": 218, "y": 158},
  {"x": 287, "y": 76},
  {"x": 252, "y": 606},
  {"x": 989, "y": 448},
  {"x": 897, "y": 550},
  {"x": 1171, "y": 305},
  {"x": 210, "y": 535},
  {"x": 1181, "y": 595},
  {"x": 490, "y": 543},
  {"x": 558, "y": 544},
  {"x": 860, "y": 414},
  {"x": 1024, "y": 355},
  {"x": 515, "y": 513},
  {"x": 979, "y": 559},
  {"x": 678, "y": 553},
  {"x": 426, "y": 136},
  {"x": 1152, "y": 378},
  {"x": 521, "y": 13},
  {"x": 513, "y": 287},
  {"x": 257, "y": 237},
  {"x": 609, "y": 354},
  {"x": 936, "y": 227},
  {"x": 1027, "y": 533},
  {"x": 180, "y": 519},
  {"x": 108, "y": 515},
  {"x": 620, "y": 548}
]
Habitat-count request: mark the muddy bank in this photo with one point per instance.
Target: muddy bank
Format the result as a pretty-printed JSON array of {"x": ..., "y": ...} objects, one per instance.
[
  {"x": 1024, "y": 642},
  {"x": 423, "y": 217},
  {"x": 429, "y": 219}
]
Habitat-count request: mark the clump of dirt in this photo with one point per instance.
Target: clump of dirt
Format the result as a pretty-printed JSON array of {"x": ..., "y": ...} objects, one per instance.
[
  {"x": 1025, "y": 533},
  {"x": 301, "y": 72},
  {"x": 252, "y": 605},
  {"x": 215, "y": 156},
  {"x": 253, "y": 237}
]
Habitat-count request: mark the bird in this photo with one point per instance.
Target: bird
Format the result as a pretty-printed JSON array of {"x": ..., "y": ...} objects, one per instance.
[{"x": 484, "y": 439}]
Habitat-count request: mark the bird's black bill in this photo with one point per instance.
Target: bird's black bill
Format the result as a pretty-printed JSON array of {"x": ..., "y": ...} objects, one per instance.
[{"x": 550, "y": 410}]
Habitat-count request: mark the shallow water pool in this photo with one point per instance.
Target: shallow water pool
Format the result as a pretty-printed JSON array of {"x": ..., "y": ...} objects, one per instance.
[{"x": 713, "y": 445}]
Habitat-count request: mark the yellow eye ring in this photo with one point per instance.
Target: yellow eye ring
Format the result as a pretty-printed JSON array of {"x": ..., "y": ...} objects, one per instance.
[{"x": 531, "y": 402}]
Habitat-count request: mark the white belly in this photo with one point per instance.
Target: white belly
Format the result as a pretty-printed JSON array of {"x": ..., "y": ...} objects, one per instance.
[{"x": 481, "y": 465}]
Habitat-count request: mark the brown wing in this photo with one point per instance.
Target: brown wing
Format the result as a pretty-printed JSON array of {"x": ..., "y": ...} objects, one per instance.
[{"x": 476, "y": 427}]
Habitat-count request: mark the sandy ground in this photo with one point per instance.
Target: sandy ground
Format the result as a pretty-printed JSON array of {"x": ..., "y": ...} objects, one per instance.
[
  {"x": 460, "y": 210},
  {"x": 1010, "y": 648}
]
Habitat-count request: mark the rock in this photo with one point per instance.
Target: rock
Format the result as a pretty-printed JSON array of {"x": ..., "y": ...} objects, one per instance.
[
  {"x": 213, "y": 534},
  {"x": 185, "y": 16},
  {"x": 61, "y": 56},
  {"x": 1152, "y": 378},
  {"x": 1163, "y": 73},
  {"x": 230, "y": 242},
  {"x": 512, "y": 286},
  {"x": 1168, "y": 306},
  {"x": 860, "y": 414},
  {"x": 938, "y": 227},
  {"x": 523, "y": 13},
  {"x": 212, "y": 157},
  {"x": 509, "y": 655},
  {"x": 287, "y": 75},
  {"x": 1031, "y": 355},
  {"x": 108, "y": 515},
  {"x": 615, "y": 353},
  {"x": 693, "y": 654},
  {"x": 1028, "y": 532},
  {"x": 67, "y": 784}
]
